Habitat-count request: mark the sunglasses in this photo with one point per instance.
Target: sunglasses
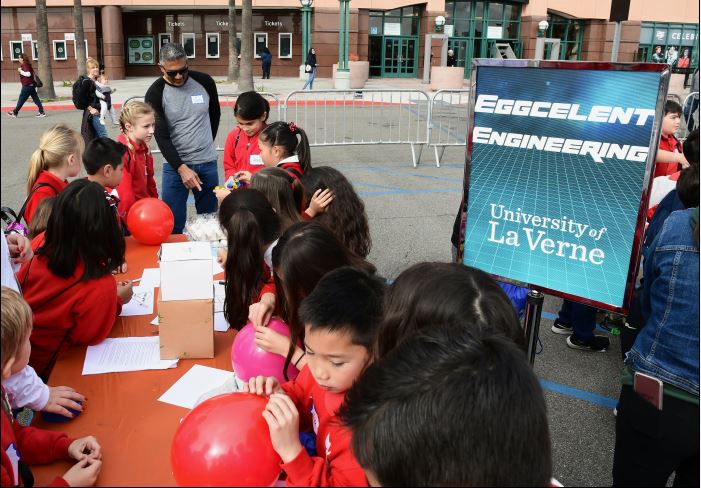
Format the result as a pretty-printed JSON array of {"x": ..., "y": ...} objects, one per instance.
[{"x": 173, "y": 74}]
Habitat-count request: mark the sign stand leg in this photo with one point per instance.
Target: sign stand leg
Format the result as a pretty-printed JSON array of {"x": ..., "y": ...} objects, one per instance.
[{"x": 534, "y": 308}]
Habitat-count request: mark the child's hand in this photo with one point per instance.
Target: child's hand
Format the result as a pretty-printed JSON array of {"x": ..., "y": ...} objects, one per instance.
[
  {"x": 259, "y": 313},
  {"x": 271, "y": 341},
  {"x": 84, "y": 472},
  {"x": 221, "y": 194},
  {"x": 283, "y": 421},
  {"x": 125, "y": 290},
  {"x": 85, "y": 447},
  {"x": 320, "y": 201},
  {"x": 244, "y": 176},
  {"x": 221, "y": 256},
  {"x": 121, "y": 269},
  {"x": 61, "y": 398},
  {"x": 20, "y": 248},
  {"x": 262, "y": 386}
]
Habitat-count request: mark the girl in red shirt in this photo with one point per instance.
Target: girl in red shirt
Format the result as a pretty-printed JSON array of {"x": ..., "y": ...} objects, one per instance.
[
  {"x": 137, "y": 122},
  {"x": 241, "y": 151},
  {"x": 69, "y": 283},
  {"x": 58, "y": 157}
]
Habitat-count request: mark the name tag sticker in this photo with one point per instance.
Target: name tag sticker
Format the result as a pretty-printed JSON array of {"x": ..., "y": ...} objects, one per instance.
[
  {"x": 197, "y": 99},
  {"x": 256, "y": 160}
]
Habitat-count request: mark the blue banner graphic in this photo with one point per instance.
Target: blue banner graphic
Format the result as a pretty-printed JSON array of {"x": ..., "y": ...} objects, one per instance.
[{"x": 558, "y": 168}]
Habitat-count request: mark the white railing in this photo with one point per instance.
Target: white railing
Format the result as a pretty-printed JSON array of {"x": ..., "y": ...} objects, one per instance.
[{"x": 447, "y": 121}]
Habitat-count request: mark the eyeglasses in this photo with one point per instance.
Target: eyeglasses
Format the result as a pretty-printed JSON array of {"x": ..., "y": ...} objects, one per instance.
[{"x": 181, "y": 72}]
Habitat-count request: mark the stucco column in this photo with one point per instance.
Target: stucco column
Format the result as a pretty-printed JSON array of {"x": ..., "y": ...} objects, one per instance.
[{"x": 113, "y": 41}]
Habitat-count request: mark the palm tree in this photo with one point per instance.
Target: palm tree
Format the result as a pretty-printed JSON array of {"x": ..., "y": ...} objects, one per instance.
[
  {"x": 233, "y": 73},
  {"x": 47, "y": 91},
  {"x": 246, "y": 68},
  {"x": 80, "y": 53}
]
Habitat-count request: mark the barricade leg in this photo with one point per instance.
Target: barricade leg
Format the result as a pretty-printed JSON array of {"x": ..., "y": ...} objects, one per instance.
[{"x": 534, "y": 308}]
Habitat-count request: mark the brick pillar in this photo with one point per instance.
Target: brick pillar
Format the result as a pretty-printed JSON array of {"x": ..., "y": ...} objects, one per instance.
[{"x": 113, "y": 41}]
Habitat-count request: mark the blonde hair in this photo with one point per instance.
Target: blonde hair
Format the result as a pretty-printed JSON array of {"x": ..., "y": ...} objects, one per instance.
[
  {"x": 90, "y": 62},
  {"x": 16, "y": 324},
  {"x": 130, "y": 112},
  {"x": 55, "y": 145}
]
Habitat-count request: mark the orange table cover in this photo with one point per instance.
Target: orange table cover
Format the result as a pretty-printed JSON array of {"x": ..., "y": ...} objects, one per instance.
[{"x": 122, "y": 409}]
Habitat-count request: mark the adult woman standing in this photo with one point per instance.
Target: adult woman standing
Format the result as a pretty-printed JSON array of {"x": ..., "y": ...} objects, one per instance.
[
  {"x": 91, "y": 127},
  {"x": 29, "y": 87},
  {"x": 310, "y": 69}
]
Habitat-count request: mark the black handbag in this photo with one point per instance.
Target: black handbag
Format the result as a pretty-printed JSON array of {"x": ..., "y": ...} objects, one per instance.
[{"x": 37, "y": 81}]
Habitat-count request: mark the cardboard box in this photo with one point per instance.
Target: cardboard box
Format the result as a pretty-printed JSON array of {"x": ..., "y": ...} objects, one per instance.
[
  {"x": 186, "y": 301},
  {"x": 186, "y": 271},
  {"x": 186, "y": 327}
]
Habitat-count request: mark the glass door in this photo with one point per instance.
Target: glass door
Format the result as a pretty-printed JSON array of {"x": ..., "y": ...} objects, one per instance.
[{"x": 399, "y": 56}]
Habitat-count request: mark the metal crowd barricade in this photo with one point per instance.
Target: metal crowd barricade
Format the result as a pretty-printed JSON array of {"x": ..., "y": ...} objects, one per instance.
[
  {"x": 690, "y": 108},
  {"x": 361, "y": 117},
  {"x": 448, "y": 120}
]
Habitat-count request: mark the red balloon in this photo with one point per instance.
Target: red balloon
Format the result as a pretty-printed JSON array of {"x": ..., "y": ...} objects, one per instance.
[
  {"x": 150, "y": 221},
  {"x": 225, "y": 441}
]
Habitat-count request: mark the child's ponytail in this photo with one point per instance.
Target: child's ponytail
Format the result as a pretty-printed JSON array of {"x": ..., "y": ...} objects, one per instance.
[
  {"x": 250, "y": 224},
  {"x": 55, "y": 145},
  {"x": 244, "y": 270},
  {"x": 304, "y": 153}
]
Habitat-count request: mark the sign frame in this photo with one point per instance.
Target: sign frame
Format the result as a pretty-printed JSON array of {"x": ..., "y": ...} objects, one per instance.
[
  {"x": 661, "y": 96},
  {"x": 140, "y": 51}
]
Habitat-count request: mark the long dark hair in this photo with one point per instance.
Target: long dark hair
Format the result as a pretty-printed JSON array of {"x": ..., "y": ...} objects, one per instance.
[
  {"x": 302, "y": 256},
  {"x": 284, "y": 193},
  {"x": 82, "y": 227},
  {"x": 251, "y": 105},
  {"x": 250, "y": 224},
  {"x": 345, "y": 216},
  {"x": 447, "y": 293},
  {"x": 285, "y": 134},
  {"x": 25, "y": 59}
]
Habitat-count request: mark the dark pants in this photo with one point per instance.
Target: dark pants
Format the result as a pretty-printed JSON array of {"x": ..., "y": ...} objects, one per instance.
[
  {"x": 175, "y": 194},
  {"x": 266, "y": 70},
  {"x": 581, "y": 318},
  {"x": 28, "y": 91},
  {"x": 635, "y": 321},
  {"x": 652, "y": 444}
]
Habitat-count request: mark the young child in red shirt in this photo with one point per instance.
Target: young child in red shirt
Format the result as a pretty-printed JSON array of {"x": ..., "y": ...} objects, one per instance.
[
  {"x": 338, "y": 337},
  {"x": 137, "y": 121},
  {"x": 241, "y": 151},
  {"x": 69, "y": 283},
  {"x": 57, "y": 158},
  {"x": 22, "y": 446},
  {"x": 103, "y": 163},
  {"x": 670, "y": 157}
]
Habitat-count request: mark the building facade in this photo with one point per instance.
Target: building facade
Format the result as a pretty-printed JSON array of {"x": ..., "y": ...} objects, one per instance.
[{"x": 390, "y": 34}]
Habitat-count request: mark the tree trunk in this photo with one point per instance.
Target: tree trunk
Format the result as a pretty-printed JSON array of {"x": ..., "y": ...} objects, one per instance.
[
  {"x": 47, "y": 91},
  {"x": 80, "y": 54},
  {"x": 246, "y": 70},
  {"x": 233, "y": 73}
]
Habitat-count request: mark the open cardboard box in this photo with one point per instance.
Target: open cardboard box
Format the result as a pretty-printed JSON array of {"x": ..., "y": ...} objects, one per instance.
[{"x": 186, "y": 301}]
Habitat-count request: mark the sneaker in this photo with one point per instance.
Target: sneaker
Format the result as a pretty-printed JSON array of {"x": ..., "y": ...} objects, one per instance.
[
  {"x": 560, "y": 328},
  {"x": 42, "y": 114},
  {"x": 12, "y": 114},
  {"x": 597, "y": 344},
  {"x": 615, "y": 411}
]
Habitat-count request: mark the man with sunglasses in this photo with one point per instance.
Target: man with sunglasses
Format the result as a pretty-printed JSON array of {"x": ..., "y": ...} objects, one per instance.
[{"x": 187, "y": 118}]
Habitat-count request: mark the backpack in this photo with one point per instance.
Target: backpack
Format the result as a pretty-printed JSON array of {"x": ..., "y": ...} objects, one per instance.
[
  {"x": 13, "y": 221},
  {"x": 80, "y": 98}
]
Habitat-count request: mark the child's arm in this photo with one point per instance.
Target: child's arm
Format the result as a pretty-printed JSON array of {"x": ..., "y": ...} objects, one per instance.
[
  {"x": 230, "y": 167},
  {"x": 671, "y": 157},
  {"x": 96, "y": 312},
  {"x": 125, "y": 188},
  {"x": 150, "y": 180},
  {"x": 39, "y": 446}
]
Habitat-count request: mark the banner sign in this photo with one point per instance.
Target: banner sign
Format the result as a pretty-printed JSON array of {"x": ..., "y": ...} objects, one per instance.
[
  {"x": 140, "y": 50},
  {"x": 559, "y": 164}
]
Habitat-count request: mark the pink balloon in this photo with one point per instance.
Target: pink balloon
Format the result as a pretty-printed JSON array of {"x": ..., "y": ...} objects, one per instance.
[{"x": 248, "y": 360}]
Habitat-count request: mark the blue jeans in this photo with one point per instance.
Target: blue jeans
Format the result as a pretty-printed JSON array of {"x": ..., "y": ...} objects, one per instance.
[
  {"x": 28, "y": 91},
  {"x": 100, "y": 130},
  {"x": 175, "y": 194},
  {"x": 581, "y": 318},
  {"x": 310, "y": 80}
]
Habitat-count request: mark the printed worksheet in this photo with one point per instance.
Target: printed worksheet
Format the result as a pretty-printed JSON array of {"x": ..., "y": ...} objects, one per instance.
[
  {"x": 115, "y": 355},
  {"x": 141, "y": 302}
]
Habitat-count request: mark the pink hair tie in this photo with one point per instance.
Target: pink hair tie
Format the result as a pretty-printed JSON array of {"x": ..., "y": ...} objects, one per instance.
[{"x": 293, "y": 127}]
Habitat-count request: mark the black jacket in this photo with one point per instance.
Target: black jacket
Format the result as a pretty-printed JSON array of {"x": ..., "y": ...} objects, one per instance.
[{"x": 311, "y": 60}]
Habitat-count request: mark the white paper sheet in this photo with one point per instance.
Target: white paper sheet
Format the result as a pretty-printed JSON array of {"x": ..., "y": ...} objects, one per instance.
[
  {"x": 184, "y": 251},
  {"x": 193, "y": 384},
  {"x": 219, "y": 296},
  {"x": 220, "y": 323},
  {"x": 151, "y": 278},
  {"x": 155, "y": 320},
  {"x": 115, "y": 355},
  {"x": 141, "y": 302},
  {"x": 216, "y": 269}
]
